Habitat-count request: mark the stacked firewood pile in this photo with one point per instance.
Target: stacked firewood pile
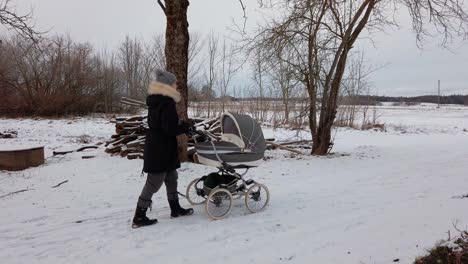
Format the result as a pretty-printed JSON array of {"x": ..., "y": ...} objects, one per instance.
[
  {"x": 129, "y": 138},
  {"x": 130, "y": 132}
]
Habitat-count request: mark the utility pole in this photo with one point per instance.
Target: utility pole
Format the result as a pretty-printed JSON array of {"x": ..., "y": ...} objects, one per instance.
[{"x": 438, "y": 95}]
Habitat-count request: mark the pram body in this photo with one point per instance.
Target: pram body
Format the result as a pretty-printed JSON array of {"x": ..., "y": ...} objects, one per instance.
[{"x": 242, "y": 144}]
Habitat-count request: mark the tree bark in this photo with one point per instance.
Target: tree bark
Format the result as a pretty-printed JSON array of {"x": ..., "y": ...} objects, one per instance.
[{"x": 177, "y": 46}]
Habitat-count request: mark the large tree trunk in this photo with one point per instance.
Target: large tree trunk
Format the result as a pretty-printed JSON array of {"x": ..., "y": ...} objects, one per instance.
[
  {"x": 177, "y": 45},
  {"x": 322, "y": 143}
]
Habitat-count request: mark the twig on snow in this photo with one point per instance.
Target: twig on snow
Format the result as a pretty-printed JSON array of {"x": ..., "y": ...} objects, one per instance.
[
  {"x": 71, "y": 151},
  {"x": 55, "y": 186},
  {"x": 20, "y": 191}
]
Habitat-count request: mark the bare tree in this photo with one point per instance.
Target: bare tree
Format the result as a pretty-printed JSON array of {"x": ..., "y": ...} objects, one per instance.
[
  {"x": 156, "y": 51},
  {"x": 111, "y": 80},
  {"x": 259, "y": 82},
  {"x": 355, "y": 88},
  {"x": 131, "y": 60},
  {"x": 212, "y": 65},
  {"x": 226, "y": 71},
  {"x": 21, "y": 23},
  {"x": 282, "y": 75},
  {"x": 322, "y": 34},
  {"x": 195, "y": 60}
]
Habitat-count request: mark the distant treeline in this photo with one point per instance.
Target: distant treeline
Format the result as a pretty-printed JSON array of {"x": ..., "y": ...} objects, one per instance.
[
  {"x": 448, "y": 99},
  {"x": 372, "y": 100}
]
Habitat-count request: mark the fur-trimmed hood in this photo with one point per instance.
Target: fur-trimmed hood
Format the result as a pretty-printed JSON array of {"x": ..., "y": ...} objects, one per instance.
[{"x": 163, "y": 89}]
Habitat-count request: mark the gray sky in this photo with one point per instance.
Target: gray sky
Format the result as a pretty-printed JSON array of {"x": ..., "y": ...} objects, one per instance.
[{"x": 104, "y": 23}]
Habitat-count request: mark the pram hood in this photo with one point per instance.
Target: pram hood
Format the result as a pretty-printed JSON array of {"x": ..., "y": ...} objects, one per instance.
[
  {"x": 243, "y": 131},
  {"x": 242, "y": 143}
]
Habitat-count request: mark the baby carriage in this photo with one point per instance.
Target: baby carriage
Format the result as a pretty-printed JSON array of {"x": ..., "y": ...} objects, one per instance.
[{"x": 241, "y": 146}]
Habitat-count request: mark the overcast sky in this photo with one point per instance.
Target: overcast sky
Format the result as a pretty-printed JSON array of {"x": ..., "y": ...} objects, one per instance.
[{"x": 104, "y": 23}]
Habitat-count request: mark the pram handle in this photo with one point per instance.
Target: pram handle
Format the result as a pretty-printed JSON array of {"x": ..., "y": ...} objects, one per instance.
[
  {"x": 193, "y": 131},
  {"x": 205, "y": 135}
]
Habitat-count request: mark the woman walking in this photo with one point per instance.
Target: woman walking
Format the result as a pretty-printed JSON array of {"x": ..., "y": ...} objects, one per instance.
[{"x": 161, "y": 159}]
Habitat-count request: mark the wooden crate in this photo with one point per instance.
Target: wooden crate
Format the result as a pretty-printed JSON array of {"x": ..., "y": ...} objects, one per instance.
[{"x": 15, "y": 160}]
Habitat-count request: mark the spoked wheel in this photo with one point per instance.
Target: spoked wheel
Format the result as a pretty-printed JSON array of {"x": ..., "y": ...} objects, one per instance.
[
  {"x": 257, "y": 198},
  {"x": 219, "y": 203},
  {"x": 195, "y": 193}
]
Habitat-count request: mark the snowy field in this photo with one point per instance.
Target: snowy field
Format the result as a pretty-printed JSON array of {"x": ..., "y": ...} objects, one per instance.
[{"x": 383, "y": 196}]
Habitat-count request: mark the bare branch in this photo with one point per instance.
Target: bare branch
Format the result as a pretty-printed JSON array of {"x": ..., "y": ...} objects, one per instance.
[
  {"x": 19, "y": 23},
  {"x": 244, "y": 16},
  {"x": 163, "y": 7}
]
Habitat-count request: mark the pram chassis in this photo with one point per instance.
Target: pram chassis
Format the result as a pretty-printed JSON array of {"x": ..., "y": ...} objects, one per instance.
[{"x": 256, "y": 195}]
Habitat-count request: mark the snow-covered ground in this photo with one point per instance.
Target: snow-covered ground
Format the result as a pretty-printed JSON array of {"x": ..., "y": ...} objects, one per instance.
[{"x": 382, "y": 196}]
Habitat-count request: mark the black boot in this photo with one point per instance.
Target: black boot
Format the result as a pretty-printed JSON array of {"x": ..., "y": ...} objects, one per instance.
[
  {"x": 140, "y": 218},
  {"x": 177, "y": 211}
]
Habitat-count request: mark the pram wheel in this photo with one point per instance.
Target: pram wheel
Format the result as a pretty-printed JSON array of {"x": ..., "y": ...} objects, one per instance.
[
  {"x": 257, "y": 198},
  {"x": 219, "y": 203},
  {"x": 195, "y": 193}
]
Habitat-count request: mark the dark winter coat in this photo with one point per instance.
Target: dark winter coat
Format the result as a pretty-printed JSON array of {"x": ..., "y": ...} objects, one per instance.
[{"x": 160, "y": 154}]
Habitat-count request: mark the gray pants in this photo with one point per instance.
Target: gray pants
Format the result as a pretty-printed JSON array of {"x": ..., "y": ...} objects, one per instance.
[{"x": 154, "y": 181}]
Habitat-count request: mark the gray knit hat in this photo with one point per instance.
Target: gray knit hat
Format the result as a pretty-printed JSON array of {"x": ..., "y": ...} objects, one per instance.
[{"x": 165, "y": 77}]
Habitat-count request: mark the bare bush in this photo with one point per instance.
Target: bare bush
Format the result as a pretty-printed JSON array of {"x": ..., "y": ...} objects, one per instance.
[{"x": 57, "y": 76}]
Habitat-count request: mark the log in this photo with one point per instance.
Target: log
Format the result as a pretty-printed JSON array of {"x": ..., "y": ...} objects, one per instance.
[
  {"x": 126, "y": 132},
  {"x": 130, "y": 123},
  {"x": 285, "y": 148},
  {"x": 127, "y": 151},
  {"x": 295, "y": 142},
  {"x": 125, "y": 140},
  {"x": 135, "y": 118},
  {"x": 113, "y": 150},
  {"x": 132, "y": 100},
  {"x": 134, "y": 156},
  {"x": 137, "y": 143},
  {"x": 302, "y": 146},
  {"x": 71, "y": 151},
  {"x": 133, "y": 104}
]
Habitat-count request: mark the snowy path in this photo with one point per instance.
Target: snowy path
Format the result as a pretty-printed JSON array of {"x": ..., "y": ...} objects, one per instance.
[{"x": 389, "y": 196}]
